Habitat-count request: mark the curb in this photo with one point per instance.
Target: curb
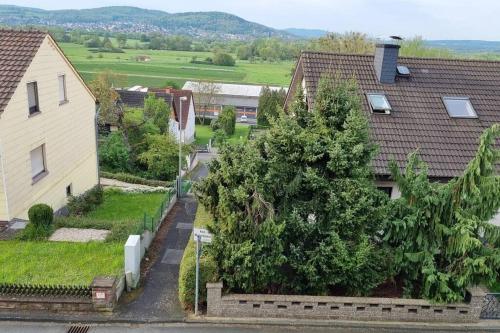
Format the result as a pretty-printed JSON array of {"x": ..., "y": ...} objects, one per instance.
[{"x": 483, "y": 326}]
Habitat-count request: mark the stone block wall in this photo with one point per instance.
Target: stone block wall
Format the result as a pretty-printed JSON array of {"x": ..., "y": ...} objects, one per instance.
[{"x": 344, "y": 308}]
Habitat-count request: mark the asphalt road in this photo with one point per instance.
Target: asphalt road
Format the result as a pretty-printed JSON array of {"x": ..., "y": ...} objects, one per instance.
[{"x": 15, "y": 327}]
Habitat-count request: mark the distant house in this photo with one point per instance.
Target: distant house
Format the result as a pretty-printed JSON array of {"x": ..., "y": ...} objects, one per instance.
[
  {"x": 142, "y": 58},
  {"x": 439, "y": 106},
  {"x": 244, "y": 97},
  {"x": 134, "y": 97},
  {"x": 47, "y": 126}
]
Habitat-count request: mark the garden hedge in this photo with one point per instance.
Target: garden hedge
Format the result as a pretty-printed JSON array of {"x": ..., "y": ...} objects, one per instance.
[
  {"x": 187, "y": 272},
  {"x": 133, "y": 179}
]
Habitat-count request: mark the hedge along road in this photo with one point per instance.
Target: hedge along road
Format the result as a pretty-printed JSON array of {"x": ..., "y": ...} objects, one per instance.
[{"x": 159, "y": 299}]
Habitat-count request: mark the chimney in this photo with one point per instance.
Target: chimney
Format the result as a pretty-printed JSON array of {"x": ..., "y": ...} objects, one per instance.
[{"x": 386, "y": 62}]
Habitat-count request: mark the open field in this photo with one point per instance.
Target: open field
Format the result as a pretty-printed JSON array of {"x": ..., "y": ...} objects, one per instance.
[{"x": 174, "y": 66}]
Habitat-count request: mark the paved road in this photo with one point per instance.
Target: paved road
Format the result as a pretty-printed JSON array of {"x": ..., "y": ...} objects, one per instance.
[
  {"x": 179, "y": 328},
  {"x": 159, "y": 299}
]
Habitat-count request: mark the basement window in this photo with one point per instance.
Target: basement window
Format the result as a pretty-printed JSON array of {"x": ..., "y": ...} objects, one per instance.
[
  {"x": 379, "y": 103},
  {"x": 459, "y": 107}
]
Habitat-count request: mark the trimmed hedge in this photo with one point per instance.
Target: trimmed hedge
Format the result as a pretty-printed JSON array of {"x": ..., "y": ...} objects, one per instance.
[
  {"x": 41, "y": 215},
  {"x": 132, "y": 179},
  {"x": 187, "y": 271}
]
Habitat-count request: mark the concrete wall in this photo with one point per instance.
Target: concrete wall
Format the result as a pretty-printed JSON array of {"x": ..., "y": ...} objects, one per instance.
[
  {"x": 346, "y": 308},
  {"x": 67, "y": 131}
]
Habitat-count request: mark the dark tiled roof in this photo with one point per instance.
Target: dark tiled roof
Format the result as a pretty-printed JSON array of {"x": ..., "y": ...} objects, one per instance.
[
  {"x": 419, "y": 119},
  {"x": 17, "y": 49},
  {"x": 177, "y": 94}
]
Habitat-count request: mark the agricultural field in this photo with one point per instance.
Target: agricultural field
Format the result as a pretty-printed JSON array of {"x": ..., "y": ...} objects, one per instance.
[{"x": 175, "y": 66}]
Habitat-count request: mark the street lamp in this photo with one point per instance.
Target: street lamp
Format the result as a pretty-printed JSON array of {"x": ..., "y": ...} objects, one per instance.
[{"x": 179, "y": 179}]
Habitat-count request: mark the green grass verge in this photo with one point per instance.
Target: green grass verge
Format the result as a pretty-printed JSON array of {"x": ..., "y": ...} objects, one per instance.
[
  {"x": 121, "y": 213},
  {"x": 187, "y": 270},
  {"x": 174, "y": 65},
  {"x": 204, "y": 133},
  {"x": 119, "y": 206},
  {"x": 53, "y": 263}
]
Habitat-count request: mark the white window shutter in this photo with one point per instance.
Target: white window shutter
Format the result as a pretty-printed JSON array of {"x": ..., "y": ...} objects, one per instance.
[{"x": 37, "y": 161}]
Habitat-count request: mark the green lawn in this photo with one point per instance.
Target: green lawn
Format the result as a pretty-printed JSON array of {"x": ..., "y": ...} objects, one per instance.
[
  {"x": 176, "y": 66},
  {"x": 204, "y": 133},
  {"x": 118, "y": 206},
  {"x": 53, "y": 263}
]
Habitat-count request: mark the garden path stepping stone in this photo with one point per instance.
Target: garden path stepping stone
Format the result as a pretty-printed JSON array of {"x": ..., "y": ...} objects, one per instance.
[
  {"x": 78, "y": 235},
  {"x": 187, "y": 226},
  {"x": 172, "y": 257}
]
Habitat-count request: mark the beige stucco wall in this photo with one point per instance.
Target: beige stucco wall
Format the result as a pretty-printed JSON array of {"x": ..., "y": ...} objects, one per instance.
[
  {"x": 67, "y": 131},
  {"x": 3, "y": 202}
]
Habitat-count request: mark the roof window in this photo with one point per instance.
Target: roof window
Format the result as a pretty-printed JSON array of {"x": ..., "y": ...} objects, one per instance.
[
  {"x": 403, "y": 70},
  {"x": 379, "y": 103},
  {"x": 459, "y": 107}
]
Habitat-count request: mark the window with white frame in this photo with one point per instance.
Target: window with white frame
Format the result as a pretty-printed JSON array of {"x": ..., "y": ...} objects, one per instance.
[
  {"x": 62, "y": 89},
  {"x": 38, "y": 165},
  {"x": 459, "y": 107},
  {"x": 33, "y": 98}
]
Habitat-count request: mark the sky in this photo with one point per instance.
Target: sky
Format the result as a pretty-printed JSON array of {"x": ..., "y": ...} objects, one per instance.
[{"x": 431, "y": 19}]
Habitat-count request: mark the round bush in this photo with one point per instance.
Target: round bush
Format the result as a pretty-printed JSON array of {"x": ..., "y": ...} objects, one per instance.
[{"x": 41, "y": 215}]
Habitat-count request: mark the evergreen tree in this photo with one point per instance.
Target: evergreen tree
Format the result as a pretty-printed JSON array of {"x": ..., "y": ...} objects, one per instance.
[
  {"x": 441, "y": 232},
  {"x": 296, "y": 210}
]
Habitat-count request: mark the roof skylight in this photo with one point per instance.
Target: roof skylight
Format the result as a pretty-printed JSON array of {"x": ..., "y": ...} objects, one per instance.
[
  {"x": 379, "y": 103},
  {"x": 403, "y": 70},
  {"x": 459, "y": 107}
]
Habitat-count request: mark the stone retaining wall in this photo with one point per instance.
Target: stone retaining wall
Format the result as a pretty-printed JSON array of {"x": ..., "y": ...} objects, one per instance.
[{"x": 345, "y": 308}]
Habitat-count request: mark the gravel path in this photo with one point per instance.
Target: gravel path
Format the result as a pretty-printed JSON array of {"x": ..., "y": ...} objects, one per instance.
[{"x": 78, "y": 235}]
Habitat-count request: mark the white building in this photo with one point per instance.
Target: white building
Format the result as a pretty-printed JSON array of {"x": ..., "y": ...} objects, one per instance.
[{"x": 244, "y": 97}]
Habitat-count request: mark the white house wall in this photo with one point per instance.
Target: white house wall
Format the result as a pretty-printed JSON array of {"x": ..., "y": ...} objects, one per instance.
[{"x": 66, "y": 130}]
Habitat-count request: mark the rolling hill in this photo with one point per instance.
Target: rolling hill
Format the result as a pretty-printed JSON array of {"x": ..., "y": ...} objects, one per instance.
[{"x": 138, "y": 20}]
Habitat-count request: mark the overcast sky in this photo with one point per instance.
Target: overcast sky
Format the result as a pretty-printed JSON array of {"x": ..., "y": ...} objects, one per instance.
[{"x": 431, "y": 19}]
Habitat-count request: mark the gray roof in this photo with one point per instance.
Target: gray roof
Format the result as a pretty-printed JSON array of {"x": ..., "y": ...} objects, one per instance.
[{"x": 231, "y": 89}]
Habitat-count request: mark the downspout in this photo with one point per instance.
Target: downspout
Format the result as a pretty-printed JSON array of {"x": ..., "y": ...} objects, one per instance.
[{"x": 96, "y": 125}]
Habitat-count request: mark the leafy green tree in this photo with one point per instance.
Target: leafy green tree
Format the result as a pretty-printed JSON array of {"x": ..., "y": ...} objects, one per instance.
[
  {"x": 161, "y": 156},
  {"x": 114, "y": 154},
  {"x": 296, "y": 210},
  {"x": 158, "y": 111},
  {"x": 226, "y": 121},
  {"x": 441, "y": 232}
]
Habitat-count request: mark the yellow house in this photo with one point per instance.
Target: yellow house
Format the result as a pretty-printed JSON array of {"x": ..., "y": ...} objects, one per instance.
[{"x": 47, "y": 126}]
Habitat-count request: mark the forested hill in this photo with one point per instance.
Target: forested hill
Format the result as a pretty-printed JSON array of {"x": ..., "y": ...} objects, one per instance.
[{"x": 138, "y": 20}]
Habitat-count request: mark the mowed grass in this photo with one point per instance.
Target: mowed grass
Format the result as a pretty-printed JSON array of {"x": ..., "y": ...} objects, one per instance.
[
  {"x": 119, "y": 206},
  {"x": 53, "y": 263},
  {"x": 174, "y": 66},
  {"x": 204, "y": 133}
]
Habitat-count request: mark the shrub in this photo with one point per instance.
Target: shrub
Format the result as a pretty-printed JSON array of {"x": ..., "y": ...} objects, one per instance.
[
  {"x": 86, "y": 202},
  {"x": 223, "y": 59},
  {"x": 41, "y": 215},
  {"x": 187, "y": 270},
  {"x": 34, "y": 232}
]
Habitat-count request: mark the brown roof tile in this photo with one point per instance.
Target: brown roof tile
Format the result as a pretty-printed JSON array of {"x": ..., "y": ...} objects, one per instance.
[
  {"x": 17, "y": 49},
  {"x": 419, "y": 119}
]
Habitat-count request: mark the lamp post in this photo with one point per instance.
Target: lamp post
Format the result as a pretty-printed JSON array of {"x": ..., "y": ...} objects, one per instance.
[{"x": 179, "y": 179}]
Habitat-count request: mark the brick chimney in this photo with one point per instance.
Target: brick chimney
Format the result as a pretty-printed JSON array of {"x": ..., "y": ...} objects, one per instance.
[{"x": 386, "y": 62}]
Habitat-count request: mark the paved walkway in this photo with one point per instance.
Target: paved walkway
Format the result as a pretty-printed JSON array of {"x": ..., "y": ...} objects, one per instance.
[{"x": 159, "y": 299}]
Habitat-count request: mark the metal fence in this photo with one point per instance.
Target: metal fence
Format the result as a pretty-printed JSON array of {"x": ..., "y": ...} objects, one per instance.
[
  {"x": 151, "y": 222},
  {"x": 9, "y": 289},
  {"x": 491, "y": 306}
]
